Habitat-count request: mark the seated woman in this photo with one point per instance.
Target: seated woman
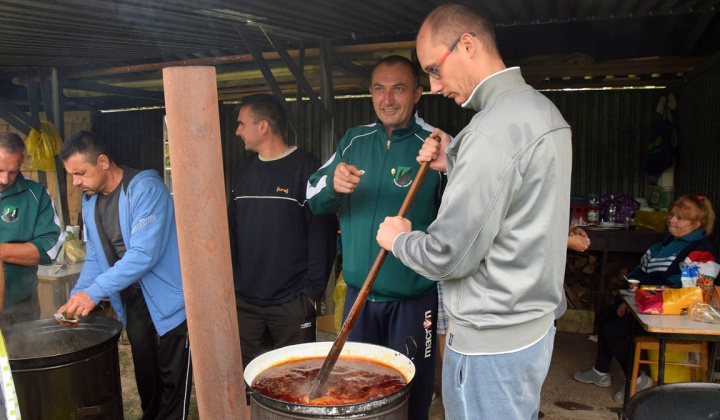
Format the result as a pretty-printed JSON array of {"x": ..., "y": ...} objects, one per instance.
[{"x": 690, "y": 220}]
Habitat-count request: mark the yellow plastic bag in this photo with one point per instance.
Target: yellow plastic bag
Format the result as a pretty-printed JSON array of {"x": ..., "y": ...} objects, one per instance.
[
  {"x": 678, "y": 301},
  {"x": 651, "y": 220},
  {"x": 339, "y": 298},
  {"x": 43, "y": 147}
]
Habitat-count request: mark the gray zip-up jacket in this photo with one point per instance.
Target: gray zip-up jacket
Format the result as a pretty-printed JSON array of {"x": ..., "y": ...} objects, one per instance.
[{"x": 499, "y": 241}]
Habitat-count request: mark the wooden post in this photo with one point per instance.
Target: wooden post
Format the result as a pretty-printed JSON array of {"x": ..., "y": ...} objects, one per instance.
[
  {"x": 58, "y": 111},
  {"x": 328, "y": 98},
  {"x": 193, "y": 125}
]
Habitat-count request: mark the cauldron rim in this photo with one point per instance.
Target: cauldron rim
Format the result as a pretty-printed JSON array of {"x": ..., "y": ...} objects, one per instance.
[
  {"x": 365, "y": 408},
  {"x": 50, "y": 325}
]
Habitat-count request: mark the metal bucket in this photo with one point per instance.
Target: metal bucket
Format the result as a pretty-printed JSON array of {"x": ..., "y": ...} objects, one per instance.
[
  {"x": 66, "y": 373},
  {"x": 391, "y": 407}
]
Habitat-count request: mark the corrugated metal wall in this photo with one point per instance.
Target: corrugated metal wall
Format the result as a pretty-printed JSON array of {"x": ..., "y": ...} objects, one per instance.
[
  {"x": 135, "y": 137},
  {"x": 610, "y": 132},
  {"x": 698, "y": 166},
  {"x": 610, "y": 135}
]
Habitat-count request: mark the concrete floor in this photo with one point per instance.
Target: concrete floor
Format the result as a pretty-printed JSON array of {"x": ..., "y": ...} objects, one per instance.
[
  {"x": 565, "y": 398},
  {"x": 562, "y": 397}
]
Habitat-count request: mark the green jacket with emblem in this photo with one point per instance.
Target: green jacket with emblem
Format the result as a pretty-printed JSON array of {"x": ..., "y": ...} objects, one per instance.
[
  {"x": 28, "y": 215},
  {"x": 389, "y": 168}
]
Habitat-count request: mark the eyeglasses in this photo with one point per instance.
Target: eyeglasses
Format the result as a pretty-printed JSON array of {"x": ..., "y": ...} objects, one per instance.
[{"x": 433, "y": 72}]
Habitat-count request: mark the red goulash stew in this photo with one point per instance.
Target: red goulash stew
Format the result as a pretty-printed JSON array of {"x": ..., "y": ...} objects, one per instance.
[{"x": 353, "y": 380}]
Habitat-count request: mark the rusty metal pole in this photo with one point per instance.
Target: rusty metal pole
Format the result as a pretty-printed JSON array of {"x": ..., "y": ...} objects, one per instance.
[{"x": 193, "y": 125}]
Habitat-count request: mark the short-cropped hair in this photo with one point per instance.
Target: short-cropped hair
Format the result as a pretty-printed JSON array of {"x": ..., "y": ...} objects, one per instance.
[
  {"x": 87, "y": 144},
  {"x": 267, "y": 108},
  {"x": 12, "y": 143}
]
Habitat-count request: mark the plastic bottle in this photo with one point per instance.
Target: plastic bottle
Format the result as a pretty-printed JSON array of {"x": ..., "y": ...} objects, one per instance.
[{"x": 592, "y": 211}]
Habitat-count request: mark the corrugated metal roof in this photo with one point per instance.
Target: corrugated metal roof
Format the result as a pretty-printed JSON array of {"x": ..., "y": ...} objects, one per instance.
[{"x": 560, "y": 43}]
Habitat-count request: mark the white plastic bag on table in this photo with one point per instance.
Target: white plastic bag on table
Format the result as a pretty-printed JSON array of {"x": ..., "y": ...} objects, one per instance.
[{"x": 689, "y": 275}]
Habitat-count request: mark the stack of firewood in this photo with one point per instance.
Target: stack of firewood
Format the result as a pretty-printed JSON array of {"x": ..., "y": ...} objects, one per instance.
[{"x": 582, "y": 272}]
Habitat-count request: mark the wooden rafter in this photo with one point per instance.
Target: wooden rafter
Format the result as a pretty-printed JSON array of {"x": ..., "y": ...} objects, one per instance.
[{"x": 265, "y": 69}]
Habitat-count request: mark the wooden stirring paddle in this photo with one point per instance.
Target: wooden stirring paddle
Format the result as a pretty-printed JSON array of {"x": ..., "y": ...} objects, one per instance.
[{"x": 319, "y": 387}]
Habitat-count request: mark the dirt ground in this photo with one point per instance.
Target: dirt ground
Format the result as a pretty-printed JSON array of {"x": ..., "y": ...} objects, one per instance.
[
  {"x": 562, "y": 397},
  {"x": 131, "y": 399}
]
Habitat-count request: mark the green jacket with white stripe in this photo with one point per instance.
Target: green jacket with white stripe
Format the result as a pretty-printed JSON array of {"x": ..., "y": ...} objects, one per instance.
[
  {"x": 27, "y": 215},
  {"x": 389, "y": 168}
]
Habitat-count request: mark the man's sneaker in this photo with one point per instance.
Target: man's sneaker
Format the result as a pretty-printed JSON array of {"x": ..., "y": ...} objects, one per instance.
[
  {"x": 591, "y": 376},
  {"x": 643, "y": 382}
]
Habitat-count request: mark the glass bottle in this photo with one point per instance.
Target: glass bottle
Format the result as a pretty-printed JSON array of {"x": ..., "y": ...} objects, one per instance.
[
  {"x": 611, "y": 210},
  {"x": 631, "y": 222}
]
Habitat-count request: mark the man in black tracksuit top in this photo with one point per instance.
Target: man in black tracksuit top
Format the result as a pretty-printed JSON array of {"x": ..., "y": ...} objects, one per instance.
[{"x": 282, "y": 253}]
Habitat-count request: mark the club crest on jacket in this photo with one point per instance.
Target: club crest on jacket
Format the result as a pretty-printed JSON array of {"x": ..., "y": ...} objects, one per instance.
[
  {"x": 10, "y": 214},
  {"x": 403, "y": 176}
]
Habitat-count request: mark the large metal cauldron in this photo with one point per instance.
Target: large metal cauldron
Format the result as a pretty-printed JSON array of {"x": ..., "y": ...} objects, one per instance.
[
  {"x": 391, "y": 407},
  {"x": 66, "y": 373}
]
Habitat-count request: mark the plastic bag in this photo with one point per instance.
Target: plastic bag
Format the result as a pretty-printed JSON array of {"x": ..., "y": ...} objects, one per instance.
[
  {"x": 73, "y": 248},
  {"x": 43, "y": 147},
  {"x": 702, "y": 312},
  {"x": 677, "y": 301},
  {"x": 339, "y": 298},
  {"x": 689, "y": 275},
  {"x": 668, "y": 302},
  {"x": 648, "y": 302}
]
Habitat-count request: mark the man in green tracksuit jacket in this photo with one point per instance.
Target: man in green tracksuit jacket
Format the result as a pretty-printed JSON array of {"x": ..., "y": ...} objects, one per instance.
[
  {"x": 367, "y": 180},
  {"x": 29, "y": 234}
]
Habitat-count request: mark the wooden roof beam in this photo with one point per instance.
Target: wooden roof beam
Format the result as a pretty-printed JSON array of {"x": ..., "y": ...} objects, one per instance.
[
  {"x": 662, "y": 65},
  {"x": 240, "y": 58},
  {"x": 299, "y": 76},
  {"x": 265, "y": 69},
  {"x": 17, "y": 117},
  {"x": 697, "y": 32},
  {"x": 352, "y": 68},
  {"x": 113, "y": 90}
]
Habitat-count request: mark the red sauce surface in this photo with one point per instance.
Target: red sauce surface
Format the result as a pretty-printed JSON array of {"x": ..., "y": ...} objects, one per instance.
[{"x": 352, "y": 380}]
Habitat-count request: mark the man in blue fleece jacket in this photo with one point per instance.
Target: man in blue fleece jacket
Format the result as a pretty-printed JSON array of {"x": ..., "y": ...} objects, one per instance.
[{"x": 133, "y": 258}]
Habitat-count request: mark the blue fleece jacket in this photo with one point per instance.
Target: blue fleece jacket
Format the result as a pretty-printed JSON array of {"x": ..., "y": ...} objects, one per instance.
[{"x": 147, "y": 222}]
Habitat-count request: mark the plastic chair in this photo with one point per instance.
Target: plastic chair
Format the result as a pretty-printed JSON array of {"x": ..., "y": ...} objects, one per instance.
[
  {"x": 649, "y": 343},
  {"x": 681, "y": 401}
]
